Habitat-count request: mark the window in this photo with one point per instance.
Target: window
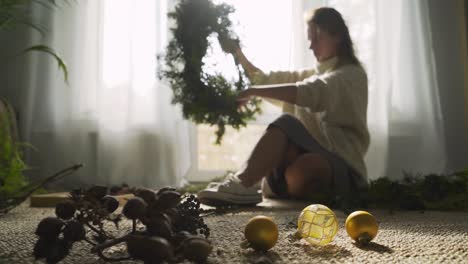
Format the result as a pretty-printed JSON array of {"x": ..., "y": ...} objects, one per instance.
[
  {"x": 273, "y": 37},
  {"x": 266, "y": 41}
]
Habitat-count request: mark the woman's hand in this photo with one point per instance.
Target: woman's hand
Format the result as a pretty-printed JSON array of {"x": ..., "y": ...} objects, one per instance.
[{"x": 244, "y": 96}]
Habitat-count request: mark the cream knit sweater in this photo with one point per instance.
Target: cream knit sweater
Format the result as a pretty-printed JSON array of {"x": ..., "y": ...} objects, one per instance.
[{"x": 332, "y": 104}]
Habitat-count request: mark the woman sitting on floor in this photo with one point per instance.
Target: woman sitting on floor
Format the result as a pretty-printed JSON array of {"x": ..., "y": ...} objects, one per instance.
[{"x": 316, "y": 149}]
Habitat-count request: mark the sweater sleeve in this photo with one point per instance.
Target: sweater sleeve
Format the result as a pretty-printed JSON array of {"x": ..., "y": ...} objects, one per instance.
[
  {"x": 279, "y": 77},
  {"x": 330, "y": 89}
]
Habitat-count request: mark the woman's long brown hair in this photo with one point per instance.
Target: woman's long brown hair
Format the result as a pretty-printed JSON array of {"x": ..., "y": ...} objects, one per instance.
[{"x": 331, "y": 21}]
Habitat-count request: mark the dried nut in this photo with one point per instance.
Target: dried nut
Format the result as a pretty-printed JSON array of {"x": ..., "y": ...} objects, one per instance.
[
  {"x": 74, "y": 231},
  {"x": 65, "y": 210},
  {"x": 159, "y": 226},
  {"x": 58, "y": 250},
  {"x": 149, "y": 248},
  {"x": 168, "y": 199},
  {"x": 114, "y": 190},
  {"x": 197, "y": 249},
  {"x": 110, "y": 203},
  {"x": 52, "y": 250},
  {"x": 146, "y": 194},
  {"x": 165, "y": 189},
  {"x": 180, "y": 237},
  {"x": 160, "y": 216},
  {"x": 173, "y": 214},
  {"x": 135, "y": 246},
  {"x": 41, "y": 248},
  {"x": 49, "y": 228},
  {"x": 97, "y": 191},
  {"x": 135, "y": 208}
]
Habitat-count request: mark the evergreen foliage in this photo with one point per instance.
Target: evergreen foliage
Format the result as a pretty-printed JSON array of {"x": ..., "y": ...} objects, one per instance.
[
  {"x": 421, "y": 192},
  {"x": 205, "y": 98}
]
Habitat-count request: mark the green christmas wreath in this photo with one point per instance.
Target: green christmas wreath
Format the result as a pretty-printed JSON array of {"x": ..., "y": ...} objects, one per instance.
[{"x": 205, "y": 98}]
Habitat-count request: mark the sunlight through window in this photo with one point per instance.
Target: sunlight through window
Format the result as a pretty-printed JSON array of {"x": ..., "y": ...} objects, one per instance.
[
  {"x": 129, "y": 44},
  {"x": 265, "y": 36},
  {"x": 266, "y": 40}
]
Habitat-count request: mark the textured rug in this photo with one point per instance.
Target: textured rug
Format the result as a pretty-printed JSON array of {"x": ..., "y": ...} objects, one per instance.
[{"x": 404, "y": 237}]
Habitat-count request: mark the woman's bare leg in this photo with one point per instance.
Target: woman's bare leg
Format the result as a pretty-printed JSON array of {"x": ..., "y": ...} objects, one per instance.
[
  {"x": 292, "y": 153},
  {"x": 266, "y": 155},
  {"x": 309, "y": 177},
  {"x": 306, "y": 175}
]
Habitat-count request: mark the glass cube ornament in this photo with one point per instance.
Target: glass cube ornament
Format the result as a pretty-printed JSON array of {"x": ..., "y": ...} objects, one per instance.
[{"x": 317, "y": 224}]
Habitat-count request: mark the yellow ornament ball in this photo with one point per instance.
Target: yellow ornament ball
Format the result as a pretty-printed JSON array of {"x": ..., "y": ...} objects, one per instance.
[
  {"x": 317, "y": 224},
  {"x": 361, "y": 226},
  {"x": 261, "y": 233}
]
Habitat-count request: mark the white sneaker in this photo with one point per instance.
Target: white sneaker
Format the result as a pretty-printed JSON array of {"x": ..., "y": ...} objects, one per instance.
[{"x": 229, "y": 192}]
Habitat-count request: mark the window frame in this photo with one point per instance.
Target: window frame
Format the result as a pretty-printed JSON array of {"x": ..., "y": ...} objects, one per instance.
[{"x": 195, "y": 174}]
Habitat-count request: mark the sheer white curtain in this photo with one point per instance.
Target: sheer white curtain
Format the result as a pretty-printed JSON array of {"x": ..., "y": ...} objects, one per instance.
[
  {"x": 393, "y": 39},
  {"x": 115, "y": 116}
]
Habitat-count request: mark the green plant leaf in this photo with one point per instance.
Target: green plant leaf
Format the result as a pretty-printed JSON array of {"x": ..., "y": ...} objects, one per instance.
[
  {"x": 61, "y": 64},
  {"x": 12, "y": 166}
]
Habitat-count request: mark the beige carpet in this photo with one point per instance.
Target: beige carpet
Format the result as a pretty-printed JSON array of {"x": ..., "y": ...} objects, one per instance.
[{"x": 404, "y": 237}]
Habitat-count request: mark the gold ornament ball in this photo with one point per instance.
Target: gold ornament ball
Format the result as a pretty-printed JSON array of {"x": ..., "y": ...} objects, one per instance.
[
  {"x": 261, "y": 233},
  {"x": 361, "y": 226},
  {"x": 317, "y": 224}
]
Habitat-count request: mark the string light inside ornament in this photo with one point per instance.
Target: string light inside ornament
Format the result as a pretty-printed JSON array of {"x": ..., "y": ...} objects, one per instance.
[{"x": 317, "y": 224}]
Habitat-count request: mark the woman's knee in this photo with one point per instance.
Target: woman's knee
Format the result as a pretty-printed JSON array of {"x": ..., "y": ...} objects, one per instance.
[
  {"x": 275, "y": 132},
  {"x": 292, "y": 151},
  {"x": 291, "y": 155},
  {"x": 308, "y": 173}
]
